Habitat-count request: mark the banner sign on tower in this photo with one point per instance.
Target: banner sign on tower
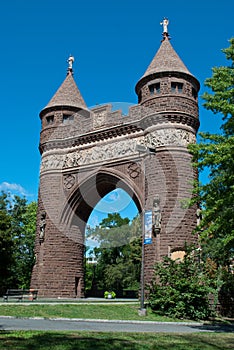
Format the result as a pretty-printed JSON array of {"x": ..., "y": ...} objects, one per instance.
[{"x": 148, "y": 222}]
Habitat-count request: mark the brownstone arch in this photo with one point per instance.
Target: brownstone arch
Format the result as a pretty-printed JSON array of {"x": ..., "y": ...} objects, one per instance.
[
  {"x": 84, "y": 198},
  {"x": 86, "y": 153},
  {"x": 89, "y": 192}
]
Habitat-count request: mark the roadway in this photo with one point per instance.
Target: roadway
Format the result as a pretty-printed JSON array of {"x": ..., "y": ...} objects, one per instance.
[{"x": 8, "y": 323}]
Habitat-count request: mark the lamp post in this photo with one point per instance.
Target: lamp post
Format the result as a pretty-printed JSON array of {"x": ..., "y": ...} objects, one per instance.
[{"x": 145, "y": 150}]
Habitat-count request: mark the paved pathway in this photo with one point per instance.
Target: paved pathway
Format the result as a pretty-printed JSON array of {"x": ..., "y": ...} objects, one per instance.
[{"x": 56, "y": 324}]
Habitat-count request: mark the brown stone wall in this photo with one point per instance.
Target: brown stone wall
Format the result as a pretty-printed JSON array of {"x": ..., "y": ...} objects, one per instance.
[
  {"x": 58, "y": 270},
  {"x": 169, "y": 174}
]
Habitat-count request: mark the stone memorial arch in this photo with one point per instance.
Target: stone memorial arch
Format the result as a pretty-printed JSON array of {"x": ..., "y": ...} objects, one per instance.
[{"x": 86, "y": 153}]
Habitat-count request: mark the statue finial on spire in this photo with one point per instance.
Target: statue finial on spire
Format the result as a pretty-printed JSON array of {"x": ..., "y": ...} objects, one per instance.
[
  {"x": 165, "y": 23},
  {"x": 70, "y": 61}
]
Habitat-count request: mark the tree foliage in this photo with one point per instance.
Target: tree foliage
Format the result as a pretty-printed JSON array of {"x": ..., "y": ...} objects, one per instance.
[
  {"x": 215, "y": 152},
  {"x": 119, "y": 253},
  {"x": 6, "y": 245},
  {"x": 17, "y": 236}
]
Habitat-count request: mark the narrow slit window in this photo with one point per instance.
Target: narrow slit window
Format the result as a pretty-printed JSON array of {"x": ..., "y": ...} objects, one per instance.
[
  {"x": 50, "y": 119},
  {"x": 154, "y": 89},
  {"x": 68, "y": 118},
  {"x": 173, "y": 87},
  {"x": 194, "y": 93},
  {"x": 151, "y": 89},
  {"x": 157, "y": 88},
  {"x": 180, "y": 87},
  {"x": 177, "y": 87}
]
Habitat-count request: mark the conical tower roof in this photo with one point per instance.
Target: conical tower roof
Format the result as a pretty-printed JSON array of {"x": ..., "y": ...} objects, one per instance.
[
  {"x": 67, "y": 95},
  {"x": 166, "y": 60}
]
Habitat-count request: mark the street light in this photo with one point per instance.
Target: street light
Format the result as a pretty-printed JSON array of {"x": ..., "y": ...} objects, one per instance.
[{"x": 145, "y": 150}]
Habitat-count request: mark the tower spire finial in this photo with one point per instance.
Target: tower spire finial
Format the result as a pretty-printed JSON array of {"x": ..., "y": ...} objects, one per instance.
[
  {"x": 70, "y": 61},
  {"x": 165, "y": 23}
]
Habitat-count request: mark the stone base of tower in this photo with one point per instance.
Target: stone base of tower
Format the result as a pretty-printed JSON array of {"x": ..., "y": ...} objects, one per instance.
[{"x": 58, "y": 271}]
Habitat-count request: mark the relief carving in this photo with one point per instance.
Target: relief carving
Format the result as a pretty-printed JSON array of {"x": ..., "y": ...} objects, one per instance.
[
  {"x": 170, "y": 136},
  {"x": 69, "y": 181},
  {"x": 156, "y": 215},
  {"x": 52, "y": 161},
  {"x": 100, "y": 153},
  {"x": 126, "y": 147},
  {"x": 134, "y": 170},
  {"x": 99, "y": 119},
  {"x": 42, "y": 227}
]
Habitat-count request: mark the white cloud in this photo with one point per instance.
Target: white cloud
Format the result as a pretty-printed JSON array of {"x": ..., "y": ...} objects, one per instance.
[
  {"x": 115, "y": 201},
  {"x": 15, "y": 188},
  {"x": 93, "y": 221}
]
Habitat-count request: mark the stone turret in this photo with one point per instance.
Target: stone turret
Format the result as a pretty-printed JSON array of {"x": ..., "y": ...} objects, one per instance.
[
  {"x": 168, "y": 95},
  {"x": 66, "y": 107},
  {"x": 168, "y": 86}
]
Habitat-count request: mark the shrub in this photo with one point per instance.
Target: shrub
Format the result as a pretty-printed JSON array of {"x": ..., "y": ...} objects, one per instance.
[
  {"x": 180, "y": 289},
  {"x": 106, "y": 294}
]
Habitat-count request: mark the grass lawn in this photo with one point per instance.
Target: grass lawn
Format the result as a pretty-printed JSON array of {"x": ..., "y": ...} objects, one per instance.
[
  {"x": 108, "y": 311},
  {"x": 28, "y": 340}
]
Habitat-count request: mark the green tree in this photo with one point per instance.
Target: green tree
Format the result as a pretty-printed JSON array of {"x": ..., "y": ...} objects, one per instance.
[
  {"x": 23, "y": 218},
  {"x": 114, "y": 220},
  {"x": 215, "y": 152},
  {"x": 119, "y": 253},
  {"x": 18, "y": 228},
  {"x": 6, "y": 245}
]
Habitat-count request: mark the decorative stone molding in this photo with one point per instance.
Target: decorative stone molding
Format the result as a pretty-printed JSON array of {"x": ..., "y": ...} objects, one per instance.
[
  {"x": 69, "y": 181},
  {"x": 134, "y": 170},
  {"x": 116, "y": 150},
  {"x": 92, "y": 155},
  {"x": 52, "y": 161},
  {"x": 169, "y": 137},
  {"x": 100, "y": 153},
  {"x": 99, "y": 119}
]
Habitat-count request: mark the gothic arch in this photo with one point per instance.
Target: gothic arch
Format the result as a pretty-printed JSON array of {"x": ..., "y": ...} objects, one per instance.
[{"x": 90, "y": 191}]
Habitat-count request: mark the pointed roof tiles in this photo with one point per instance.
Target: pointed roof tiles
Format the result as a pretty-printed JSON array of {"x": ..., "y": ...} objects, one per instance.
[
  {"x": 166, "y": 60},
  {"x": 67, "y": 94}
]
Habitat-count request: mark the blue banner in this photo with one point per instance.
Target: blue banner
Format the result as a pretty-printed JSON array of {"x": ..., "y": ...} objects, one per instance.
[{"x": 148, "y": 222}]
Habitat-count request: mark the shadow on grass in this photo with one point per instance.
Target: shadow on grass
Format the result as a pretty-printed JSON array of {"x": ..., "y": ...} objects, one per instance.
[
  {"x": 103, "y": 341},
  {"x": 62, "y": 341}
]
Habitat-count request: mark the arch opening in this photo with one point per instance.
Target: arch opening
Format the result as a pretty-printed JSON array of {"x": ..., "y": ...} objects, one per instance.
[
  {"x": 98, "y": 198},
  {"x": 113, "y": 247}
]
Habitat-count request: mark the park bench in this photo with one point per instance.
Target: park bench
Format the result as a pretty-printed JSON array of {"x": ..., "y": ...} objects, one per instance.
[{"x": 20, "y": 294}]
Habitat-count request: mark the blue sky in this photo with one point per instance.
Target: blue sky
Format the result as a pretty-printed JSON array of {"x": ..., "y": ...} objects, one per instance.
[{"x": 113, "y": 42}]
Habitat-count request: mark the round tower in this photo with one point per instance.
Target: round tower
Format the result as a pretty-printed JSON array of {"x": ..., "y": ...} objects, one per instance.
[
  {"x": 63, "y": 109},
  {"x": 168, "y": 96},
  {"x": 59, "y": 251}
]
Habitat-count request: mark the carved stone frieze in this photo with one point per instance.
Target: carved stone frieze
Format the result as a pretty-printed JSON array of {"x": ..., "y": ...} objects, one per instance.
[
  {"x": 52, "y": 161},
  {"x": 115, "y": 150},
  {"x": 169, "y": 137},
  {"x": 100, "y": 153},
  {"x": 93, "y": 155}
]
